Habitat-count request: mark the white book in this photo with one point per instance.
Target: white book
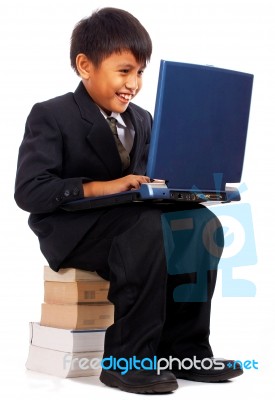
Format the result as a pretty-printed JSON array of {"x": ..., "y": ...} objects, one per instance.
[
  {"x": 63, "y": 364},
  {"x": 66, "y": 340}
]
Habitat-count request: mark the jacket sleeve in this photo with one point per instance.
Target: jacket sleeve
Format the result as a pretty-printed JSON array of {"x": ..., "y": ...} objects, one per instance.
[{"x": 39, "y": 185}]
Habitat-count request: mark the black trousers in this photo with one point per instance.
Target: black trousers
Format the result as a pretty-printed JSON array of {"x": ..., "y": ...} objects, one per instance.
[{"x": 126, "y": 247}]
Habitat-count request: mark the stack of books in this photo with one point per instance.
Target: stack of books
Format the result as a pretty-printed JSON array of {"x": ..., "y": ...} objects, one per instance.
[
  {"x": 69, "y": 340},
  {"x": 75, "y": 299}
]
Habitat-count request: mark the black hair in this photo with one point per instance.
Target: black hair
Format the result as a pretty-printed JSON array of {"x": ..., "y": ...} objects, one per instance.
[{"x": 110, "y": 30}]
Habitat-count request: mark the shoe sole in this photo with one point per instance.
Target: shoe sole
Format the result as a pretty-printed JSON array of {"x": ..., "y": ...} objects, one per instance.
[
  {"x": 211, "y": 379},
  {"x": 161, "y": 387}
]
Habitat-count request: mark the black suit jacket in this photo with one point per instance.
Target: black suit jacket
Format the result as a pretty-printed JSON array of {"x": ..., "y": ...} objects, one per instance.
[{"x": 68, "y": 142}]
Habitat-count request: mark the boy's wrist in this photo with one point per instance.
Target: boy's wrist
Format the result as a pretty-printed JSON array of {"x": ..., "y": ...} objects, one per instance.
[{"x": 92, "y": 189}]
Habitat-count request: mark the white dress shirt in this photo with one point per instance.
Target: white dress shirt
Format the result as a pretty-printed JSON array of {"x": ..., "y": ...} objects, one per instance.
[{"x": 125, "y": 129}]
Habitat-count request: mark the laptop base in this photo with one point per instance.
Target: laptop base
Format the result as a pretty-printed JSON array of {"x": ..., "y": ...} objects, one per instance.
[{"x": 156, "y": 193}]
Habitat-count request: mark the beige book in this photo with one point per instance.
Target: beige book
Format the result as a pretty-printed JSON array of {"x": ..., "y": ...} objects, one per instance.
[
  {"x": 70, "y": 275},
  {"x": 76, "y": 292},
  {"x": 77, "y": 316}
]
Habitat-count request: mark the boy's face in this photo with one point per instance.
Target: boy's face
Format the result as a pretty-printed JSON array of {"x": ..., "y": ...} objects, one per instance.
[{"x": 114, "y": 83}]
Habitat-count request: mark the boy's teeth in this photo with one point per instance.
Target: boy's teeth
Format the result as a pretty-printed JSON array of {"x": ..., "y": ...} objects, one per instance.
[{"x": 126, "y": 96}]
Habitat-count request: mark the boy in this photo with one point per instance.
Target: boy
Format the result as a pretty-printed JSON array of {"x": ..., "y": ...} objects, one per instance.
[{"x": 69, "y": 152}]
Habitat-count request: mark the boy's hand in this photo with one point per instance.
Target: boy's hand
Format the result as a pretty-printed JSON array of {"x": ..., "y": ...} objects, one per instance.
[{"x": 128, "y": 182}]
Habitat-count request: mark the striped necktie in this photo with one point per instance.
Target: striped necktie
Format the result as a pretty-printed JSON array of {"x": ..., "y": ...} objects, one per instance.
[{"x": 124, "y": 155}]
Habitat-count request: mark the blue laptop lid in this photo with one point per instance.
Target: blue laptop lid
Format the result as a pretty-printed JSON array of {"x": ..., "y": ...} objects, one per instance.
[{"x": 200, "y": 126}]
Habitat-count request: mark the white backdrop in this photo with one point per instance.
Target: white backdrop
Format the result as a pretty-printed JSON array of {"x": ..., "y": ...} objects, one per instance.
[{"x": 35, "y": 66}]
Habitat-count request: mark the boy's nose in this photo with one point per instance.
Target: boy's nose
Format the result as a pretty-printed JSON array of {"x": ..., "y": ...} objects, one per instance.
[{"x": 132, "y": 83}]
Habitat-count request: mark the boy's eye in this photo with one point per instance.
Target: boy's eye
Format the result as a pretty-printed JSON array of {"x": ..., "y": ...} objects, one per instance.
[{"x": 126, "y": 71}]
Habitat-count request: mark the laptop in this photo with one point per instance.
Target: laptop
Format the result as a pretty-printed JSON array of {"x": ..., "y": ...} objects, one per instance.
[{"x": 198, "y": 138}]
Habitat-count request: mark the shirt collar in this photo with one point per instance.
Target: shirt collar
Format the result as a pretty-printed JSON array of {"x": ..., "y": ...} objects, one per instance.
[{"x": 115, "y": 115}]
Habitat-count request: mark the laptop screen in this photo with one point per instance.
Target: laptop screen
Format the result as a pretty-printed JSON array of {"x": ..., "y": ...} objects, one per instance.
[{"x": 200, "y": 126}]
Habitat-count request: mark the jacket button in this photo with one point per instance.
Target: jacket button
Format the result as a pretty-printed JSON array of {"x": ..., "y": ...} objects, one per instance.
[{"x": 67, "y": 193}]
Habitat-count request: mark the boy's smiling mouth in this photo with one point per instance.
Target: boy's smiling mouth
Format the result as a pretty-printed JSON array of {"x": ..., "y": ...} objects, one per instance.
[{"x": 125, "y": 96}]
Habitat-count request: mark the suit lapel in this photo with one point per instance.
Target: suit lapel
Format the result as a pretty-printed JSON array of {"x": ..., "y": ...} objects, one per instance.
[
  {"x": 100, "y": 137},
  {"x": 137, "y": 121}
]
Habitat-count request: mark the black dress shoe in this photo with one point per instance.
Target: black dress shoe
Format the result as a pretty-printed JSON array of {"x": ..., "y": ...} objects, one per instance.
[
  {"x": 140, "y": 381},
  {"x": 214, "y": 370}
]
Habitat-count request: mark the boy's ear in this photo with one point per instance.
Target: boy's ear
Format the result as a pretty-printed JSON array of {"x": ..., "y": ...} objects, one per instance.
[{"x": 83, "y": 65}]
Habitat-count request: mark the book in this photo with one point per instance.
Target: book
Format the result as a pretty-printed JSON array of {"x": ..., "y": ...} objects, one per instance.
[
  {"x": 76, "y": 292},
  {"x": 63, "y": 364},
  {"x": 70, "y": 275},
  {"x": 77, "y": 316},
  {"x": 66, "y": 340}
]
